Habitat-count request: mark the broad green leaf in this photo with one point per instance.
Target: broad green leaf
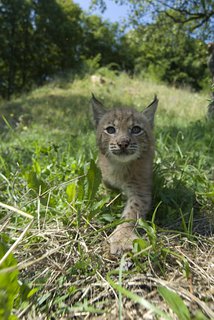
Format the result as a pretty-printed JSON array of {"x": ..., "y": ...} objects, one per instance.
[
  {"x": 36, "y": 167},
  {"x": 81, "y": 186},
  {"x": 71, "y": 192},
  {"x": 9, "y": 285},
  {"x": 175, "y": 303},
  {"x": 140, "y": 244},
  {"x": 94, "y": 179}
]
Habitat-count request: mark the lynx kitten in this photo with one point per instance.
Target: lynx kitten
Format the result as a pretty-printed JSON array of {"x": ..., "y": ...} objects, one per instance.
[{"x": 126, "y": 148}]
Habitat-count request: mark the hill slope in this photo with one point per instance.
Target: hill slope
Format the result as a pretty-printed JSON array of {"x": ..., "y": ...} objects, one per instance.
[{"x": 48, "y": 170}]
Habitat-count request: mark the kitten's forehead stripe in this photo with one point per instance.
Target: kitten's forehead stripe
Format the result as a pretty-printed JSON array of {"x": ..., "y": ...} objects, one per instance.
[{"x": 119, "y": 117}]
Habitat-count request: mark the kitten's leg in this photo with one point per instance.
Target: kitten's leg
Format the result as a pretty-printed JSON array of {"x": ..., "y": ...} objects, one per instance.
[{"x": 122, "y": 237}]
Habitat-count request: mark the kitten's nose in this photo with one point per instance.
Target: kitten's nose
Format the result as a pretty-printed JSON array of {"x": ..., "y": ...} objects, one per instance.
[{"x": 123, "y": 143}]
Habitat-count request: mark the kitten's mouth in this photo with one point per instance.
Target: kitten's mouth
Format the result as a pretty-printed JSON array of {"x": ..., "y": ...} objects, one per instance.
[
  {"x": 124, "y": 155},
  {"x": 123, "y": 152}
]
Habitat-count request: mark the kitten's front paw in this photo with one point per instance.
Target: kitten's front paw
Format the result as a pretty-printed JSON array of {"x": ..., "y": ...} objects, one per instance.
[{"x": 121, "y": 239}]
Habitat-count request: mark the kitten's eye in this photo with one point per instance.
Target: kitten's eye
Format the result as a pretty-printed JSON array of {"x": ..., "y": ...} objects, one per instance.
[
  {"x": 110, "y": 130},
  {"x": 136, "y": 130}
]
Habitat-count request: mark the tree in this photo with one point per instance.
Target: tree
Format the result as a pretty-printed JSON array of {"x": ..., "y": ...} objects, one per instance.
[
  {"x": 16, "y": 30},
  {"x": 197, "y": 14},
  {"x": 57, "y": 36},
  {"x": 103, "y": 38},
  {"x": 164, "y": 51},
  {"x": 38, "y": 39},
  {"x": 41, "y": 38}
]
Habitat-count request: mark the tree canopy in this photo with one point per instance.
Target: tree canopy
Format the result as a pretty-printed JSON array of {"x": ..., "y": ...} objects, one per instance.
[
  {"x": 40, "y": 38},
  {"x": 197, "y": 14},
  {"x": 43, "y": 38},
  {"x": 163, "y": 51}
]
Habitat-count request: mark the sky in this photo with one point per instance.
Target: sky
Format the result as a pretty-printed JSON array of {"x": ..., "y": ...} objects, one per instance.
[{"x": 114, "y": 12}]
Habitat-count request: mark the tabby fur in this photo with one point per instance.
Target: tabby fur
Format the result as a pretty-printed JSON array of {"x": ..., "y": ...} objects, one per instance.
[{"x": 126, "y": 150}]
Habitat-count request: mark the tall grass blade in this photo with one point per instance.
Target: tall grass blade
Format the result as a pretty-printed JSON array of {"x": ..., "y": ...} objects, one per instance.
[{"x": 175, "y": 303}]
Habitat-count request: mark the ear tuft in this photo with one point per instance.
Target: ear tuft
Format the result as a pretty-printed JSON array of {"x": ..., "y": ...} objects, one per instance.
[
  {"x": 149, "y": 112},
  {"x": 98, "y": 109}
]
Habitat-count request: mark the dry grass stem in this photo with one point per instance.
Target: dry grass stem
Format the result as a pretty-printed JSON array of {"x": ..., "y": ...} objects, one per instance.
[
  {"x": 22, "y": 213},
  {"x": 16, "y": 243}
]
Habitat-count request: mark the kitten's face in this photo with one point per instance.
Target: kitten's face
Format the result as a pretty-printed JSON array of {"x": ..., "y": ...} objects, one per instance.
[{"x": 123, "y": 135}]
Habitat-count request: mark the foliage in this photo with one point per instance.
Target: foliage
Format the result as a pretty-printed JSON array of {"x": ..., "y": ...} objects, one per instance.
[
  {"x": 100, "y": 38},
  {"x": 16, "y": 32},
  {"x": 9, "y": 286},
  {"x": 36, "y": 38},
  {"x": 42, "y": 39},
  {"x": 13, "y": 293},
  {"x": 197, "y": 15},
  {"x": 165, "y": 52},
  {"x": 177, "y": 305}
]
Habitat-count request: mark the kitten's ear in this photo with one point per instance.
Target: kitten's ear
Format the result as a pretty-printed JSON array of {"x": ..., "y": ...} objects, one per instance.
[
  {"x": 98, "y": 109},
  {"x": 149, "y": 112}
]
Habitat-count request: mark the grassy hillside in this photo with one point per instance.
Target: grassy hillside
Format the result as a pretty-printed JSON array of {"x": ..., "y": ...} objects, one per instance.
[{"x": 48, "y": 171}]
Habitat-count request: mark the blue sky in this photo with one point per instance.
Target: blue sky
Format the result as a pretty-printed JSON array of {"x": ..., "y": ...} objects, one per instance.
[{"x": 114, "y": 12}]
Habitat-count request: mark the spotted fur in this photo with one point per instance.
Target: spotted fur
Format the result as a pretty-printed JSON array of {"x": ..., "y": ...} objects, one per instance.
[{"x": 126, "y": 149}]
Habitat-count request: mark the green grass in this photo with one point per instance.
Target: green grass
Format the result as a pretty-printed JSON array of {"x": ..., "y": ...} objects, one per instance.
[{"x": 48, "y": 170}]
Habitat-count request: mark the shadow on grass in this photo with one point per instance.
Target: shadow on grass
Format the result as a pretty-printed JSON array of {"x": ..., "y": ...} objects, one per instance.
[
  {"x": 51, "y": 110},
  {"x": 10, "y": 115},
  {"x": 183, "y": 177}
]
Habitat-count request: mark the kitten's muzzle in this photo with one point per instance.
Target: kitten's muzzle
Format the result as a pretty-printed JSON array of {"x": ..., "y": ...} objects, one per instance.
[{"x": 123, "y": 143}]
